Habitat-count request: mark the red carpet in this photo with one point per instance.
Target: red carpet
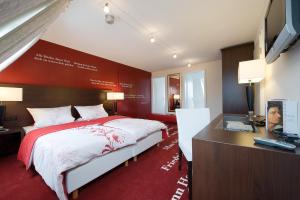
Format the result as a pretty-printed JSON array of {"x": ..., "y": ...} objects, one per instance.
[{"x": 154, "y": 176}]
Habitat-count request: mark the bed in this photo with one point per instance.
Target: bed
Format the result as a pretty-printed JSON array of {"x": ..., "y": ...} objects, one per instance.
[
  {"x": 71, "y": 153},
  {"x": 36, "y": 96}
]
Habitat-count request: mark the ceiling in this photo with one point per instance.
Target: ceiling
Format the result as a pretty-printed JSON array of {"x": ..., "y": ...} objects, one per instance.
[{"x": 194, "y": 29}]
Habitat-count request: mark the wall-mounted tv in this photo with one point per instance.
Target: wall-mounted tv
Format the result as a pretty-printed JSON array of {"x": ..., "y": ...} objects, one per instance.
[{"x": 282, "y": 27}]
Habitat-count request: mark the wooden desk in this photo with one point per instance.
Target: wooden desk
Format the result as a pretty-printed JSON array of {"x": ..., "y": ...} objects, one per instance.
[{"x": 228, "y": 165}]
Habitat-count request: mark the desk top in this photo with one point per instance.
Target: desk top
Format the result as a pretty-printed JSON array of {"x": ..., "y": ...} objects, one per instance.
[{"x": 215, "y": 133}]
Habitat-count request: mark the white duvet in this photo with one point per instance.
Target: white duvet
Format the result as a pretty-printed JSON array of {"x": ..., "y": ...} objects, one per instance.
[
  {"x": 58, "y": 152},
  {"x": 139, "y": 128}
]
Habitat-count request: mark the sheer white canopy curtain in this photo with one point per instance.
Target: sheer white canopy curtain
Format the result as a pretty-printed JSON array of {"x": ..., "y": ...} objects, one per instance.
[
  {"x": 159, "y": 95},
  {"x": 22, "y": 22},
  {"x": 194, "y": 90}
]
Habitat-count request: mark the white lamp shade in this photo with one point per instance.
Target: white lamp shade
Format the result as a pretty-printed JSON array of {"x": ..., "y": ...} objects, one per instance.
[
  {"x": 176, "y": 96},
  {"x": 11, "y": 94},
  {"x": 115, "y": 96},
  {"x": 251, "y": 71}
]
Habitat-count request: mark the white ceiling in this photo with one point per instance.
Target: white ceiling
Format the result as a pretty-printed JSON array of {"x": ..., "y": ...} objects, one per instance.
[{"x": 195, "y": 29}]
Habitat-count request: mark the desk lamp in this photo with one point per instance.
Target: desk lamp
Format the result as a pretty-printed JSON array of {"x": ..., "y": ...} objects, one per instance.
[{"x": 252, "y": 71}]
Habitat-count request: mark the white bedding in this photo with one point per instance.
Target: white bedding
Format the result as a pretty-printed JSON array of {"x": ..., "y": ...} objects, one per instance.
[
  {"x": 58, "y": 152},
  {"x": 76, "y": 146},
  {"x": 139, "y": 128}
]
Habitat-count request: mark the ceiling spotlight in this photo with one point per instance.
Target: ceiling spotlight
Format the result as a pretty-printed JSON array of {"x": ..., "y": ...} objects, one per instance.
[
  {"x": 174, "y": 55},
  {"x": 152, "y": 39},
  {"x": 189, "y": 65},
  {"x": 109, "y": 19},
  {"x": 106, "y": 8}
]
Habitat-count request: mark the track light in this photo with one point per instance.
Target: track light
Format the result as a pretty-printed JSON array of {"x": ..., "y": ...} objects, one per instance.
[
  {"x": 109, "y": 18},
  {"x": 152, "y": 39},
  {"x": 174, "y": 55},
  {"x": 106, "y": 8}
]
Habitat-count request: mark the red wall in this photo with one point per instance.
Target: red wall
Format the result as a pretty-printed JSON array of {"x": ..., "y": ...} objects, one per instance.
[{"x": 51, "y": 64}]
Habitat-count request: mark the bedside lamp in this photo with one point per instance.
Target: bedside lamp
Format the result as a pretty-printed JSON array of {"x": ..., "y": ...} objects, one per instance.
[
  {"x": 8, "y": 94},
  {"x": 252, "y": 71},
  {"x": 115, "y": 96},
  {"x": 176, "y": 98}
]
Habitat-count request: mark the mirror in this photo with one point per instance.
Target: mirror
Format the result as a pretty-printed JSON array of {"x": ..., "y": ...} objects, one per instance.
[{"x": 173, "y": 92}]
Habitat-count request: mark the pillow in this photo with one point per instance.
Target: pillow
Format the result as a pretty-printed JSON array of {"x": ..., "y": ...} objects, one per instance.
[
  {"x": 28, "y": 129},
  {"x": 91, "y": 112},
  {"x": 51, "y": 116}
]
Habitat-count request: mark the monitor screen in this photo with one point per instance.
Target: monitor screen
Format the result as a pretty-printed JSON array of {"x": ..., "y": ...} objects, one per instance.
[{"x": 274, "y": 23}]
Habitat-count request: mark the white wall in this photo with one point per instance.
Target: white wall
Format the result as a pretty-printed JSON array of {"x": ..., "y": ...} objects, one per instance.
[
  {"x": 282, "y": 76},
  {"x": 213, "y": 78}
]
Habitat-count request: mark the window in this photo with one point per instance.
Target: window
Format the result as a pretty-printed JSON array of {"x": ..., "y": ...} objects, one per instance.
[
  {"x": 159, "y": 95},
  {"x": 193, "y": 90},
  {"x": 21, "y": 25},
  {"x": 16, "y": 55}
]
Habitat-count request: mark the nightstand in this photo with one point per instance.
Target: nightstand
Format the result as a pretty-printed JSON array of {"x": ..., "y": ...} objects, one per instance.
[{"x": 10, "y": 141}]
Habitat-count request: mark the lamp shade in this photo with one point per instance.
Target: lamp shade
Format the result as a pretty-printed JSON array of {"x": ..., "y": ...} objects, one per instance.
[
  {"x": 11, "y": 94},
  {"x": 176, "y": 96},
  {"x": 115, "y": 96},
  {"x": 252, "y": 71}
]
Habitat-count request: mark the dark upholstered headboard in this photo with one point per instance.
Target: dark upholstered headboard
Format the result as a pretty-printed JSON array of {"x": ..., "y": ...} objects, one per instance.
[{"x": 50, "y": 96}]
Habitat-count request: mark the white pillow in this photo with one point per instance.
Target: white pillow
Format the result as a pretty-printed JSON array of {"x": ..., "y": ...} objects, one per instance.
[
  {"x": 91, "y": 112},
  {"x": 51, "y": 116},
  {"x": 28, "y": 129}
]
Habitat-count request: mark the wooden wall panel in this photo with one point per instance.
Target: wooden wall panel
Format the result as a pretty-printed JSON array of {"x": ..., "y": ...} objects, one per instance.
[
  {"x": 234, "y": 95},
  {"x": 50, "y": 96}
]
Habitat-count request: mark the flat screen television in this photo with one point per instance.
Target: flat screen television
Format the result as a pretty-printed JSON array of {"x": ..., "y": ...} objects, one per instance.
[{"x": 282, "y": 27}]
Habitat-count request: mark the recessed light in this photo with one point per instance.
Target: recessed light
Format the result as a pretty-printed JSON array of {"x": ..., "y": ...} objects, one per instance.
[
  {"x": 106, "y": 8},
  {"x": 174, "y": 55},
  {"x": 189, "y": 65}
]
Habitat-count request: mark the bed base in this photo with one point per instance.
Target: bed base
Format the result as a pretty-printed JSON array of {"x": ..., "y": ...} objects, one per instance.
[
  {"x": 81, "y": 175},
  {"x": 84, "y": 174},
  {"x": 146, "y": 143}
]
